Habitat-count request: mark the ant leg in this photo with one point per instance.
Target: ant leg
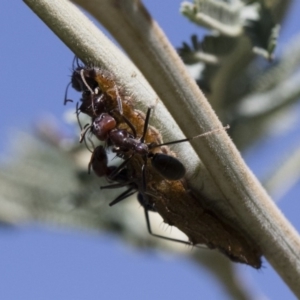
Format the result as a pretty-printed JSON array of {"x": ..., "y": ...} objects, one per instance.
[
  {"x": 144, "y": 176},
  {"x": 92, "y": 143},
  {"x": 82, "y": 135},
  {"x": 146, "y": 125},
  {"x": 116, "y": 185},
  {"x": 161, "y": 236},
  {"x": 119, "y": 168},
  {"x": 124, "y": 195},
  {"x": 130, "y": 125}
]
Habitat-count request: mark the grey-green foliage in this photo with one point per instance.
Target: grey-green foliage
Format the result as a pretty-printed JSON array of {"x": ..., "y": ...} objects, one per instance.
[
  {"x": 234, "y": 65},
  {"x": 235, "y": 18},
  {"x": 229, "y": 70}
]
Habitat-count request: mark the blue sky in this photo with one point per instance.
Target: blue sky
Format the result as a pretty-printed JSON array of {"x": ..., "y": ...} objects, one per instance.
[{"x": 41, "y": 263}]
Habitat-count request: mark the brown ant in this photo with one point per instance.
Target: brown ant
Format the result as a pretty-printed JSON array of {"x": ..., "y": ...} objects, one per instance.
[
  {"x": 169, "y": 167},
  {"x": 101, "y": 93},
  {"x": 105, "y": 129}
]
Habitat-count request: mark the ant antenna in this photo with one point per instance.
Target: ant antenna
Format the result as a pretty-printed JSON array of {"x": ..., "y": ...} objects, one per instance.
[
  {"x": 76, "y": 60},
  {"x": 130, "y": 125},
  {"x": 191, "y": 138},
  {"x": 177, "y": 141},
  {"x": 120, "y": 105},
  {"x": 179, "y": 167}
]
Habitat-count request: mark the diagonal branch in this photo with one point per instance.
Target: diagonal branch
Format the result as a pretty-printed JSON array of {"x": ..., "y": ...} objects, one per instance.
[{"x": 146, "y": 44}]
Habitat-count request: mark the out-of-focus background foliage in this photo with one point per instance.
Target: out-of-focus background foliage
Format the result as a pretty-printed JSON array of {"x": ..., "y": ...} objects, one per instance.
[{"x": 56, "y": 225}]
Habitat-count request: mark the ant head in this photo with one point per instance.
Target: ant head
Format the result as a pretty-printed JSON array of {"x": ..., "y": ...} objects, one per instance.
[
  {"x": 93, "y": 104},
  {"x": 77, "y": 82}
]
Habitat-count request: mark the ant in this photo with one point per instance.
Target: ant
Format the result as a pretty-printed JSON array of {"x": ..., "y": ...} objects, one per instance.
[
  {"x": 169, "y": 167},
  {"x": 105, "y": 129}
]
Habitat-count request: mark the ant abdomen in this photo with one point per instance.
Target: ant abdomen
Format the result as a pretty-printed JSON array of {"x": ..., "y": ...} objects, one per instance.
[
  {"x": 99, "y": 162},
  {"x": 168, "y": 166}
]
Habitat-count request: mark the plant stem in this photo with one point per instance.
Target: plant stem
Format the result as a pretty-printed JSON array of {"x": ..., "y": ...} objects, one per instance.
[{"x": 150, "y": 50}]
